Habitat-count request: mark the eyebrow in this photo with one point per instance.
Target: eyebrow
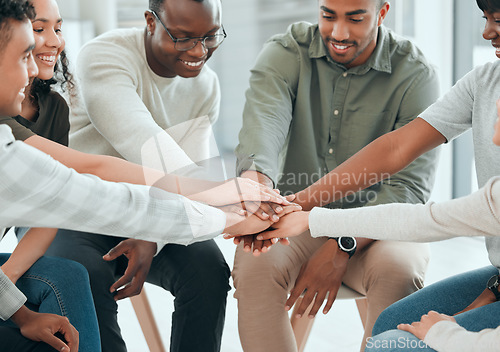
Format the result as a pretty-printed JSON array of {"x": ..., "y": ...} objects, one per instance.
[
  {"x": 30, "y": 48},
  {"x": 45, "y": 20},
  {"x": 351, "y": 13}
]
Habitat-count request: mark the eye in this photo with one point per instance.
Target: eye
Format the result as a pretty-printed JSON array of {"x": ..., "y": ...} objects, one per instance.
[
  {"x": 38, "y": 30},
  {"x": 357, "y": 20}
]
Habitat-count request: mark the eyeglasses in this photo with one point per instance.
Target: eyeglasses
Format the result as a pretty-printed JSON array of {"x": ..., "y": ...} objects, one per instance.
[{"x": 188, "y": 43}]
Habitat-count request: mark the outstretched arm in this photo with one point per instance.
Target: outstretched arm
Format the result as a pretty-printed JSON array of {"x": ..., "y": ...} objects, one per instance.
[
  {"x": 31, "y": 247},
  {"x": 380, "y": 159}
]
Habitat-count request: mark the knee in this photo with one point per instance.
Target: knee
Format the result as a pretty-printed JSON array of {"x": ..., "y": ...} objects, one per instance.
[{"x": 402, "y": 271}]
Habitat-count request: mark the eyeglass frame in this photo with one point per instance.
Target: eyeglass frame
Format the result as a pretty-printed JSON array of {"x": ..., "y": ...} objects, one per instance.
[{"x": 199, "y": 39}]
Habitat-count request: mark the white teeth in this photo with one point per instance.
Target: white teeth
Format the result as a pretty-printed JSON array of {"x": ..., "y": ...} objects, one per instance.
[
  {"x": 192, "y": 64},
  {"x": 341, "y": 47},
  {"x": 50, "y": 59}
]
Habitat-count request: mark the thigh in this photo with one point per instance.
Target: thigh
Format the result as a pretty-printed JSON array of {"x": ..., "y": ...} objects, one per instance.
[
  {"x": 201, "y": 264},
  {"x": 276, "y": 271},
  {"x": 447, "y": 296},
  {"x": 12, "y": 341}
]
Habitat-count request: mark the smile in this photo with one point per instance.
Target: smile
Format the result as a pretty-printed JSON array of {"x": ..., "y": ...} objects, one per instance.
[
  {"x": 48, "y": 59},
  {"x": 192, "y": 64}
]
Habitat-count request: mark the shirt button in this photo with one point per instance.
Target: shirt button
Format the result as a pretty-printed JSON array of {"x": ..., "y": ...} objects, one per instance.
[
  {"x": 336, "y": 112},
  {"x": 344, "y": 74},
  {"x": 330, "y": 150}
]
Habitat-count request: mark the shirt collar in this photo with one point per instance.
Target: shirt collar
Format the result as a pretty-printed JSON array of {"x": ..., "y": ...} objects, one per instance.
[{"x": 380, "y": 59}]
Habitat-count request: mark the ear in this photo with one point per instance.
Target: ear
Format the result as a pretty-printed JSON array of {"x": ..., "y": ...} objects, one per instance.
[
  {"x": 150, "y": 21},
  {"x": 382, "y": 13}
]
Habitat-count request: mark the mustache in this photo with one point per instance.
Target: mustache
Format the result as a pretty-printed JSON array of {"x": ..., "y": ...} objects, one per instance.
[{"x": 342, "y": 42}]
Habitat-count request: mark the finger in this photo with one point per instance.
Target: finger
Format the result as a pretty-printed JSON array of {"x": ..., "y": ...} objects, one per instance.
[
  {"x": 247, "y": 243},
  {"x": 294, "y": 296},
  {"x": 329, "y": 303},
  {"x": 290, "y": 197},
  {"x": 284, "y": 241},
  {"x": 318, "y": 302},
  {"x": 122, "y": 281},
  {"x": 115, "y": 252},
  {"x": 55, "y": 342},
  {"x": 128, "y": 291},
  {"x": 277, "y": 208},
  {"x": 306, "y": 302},
  {"x": 406, "y": 327},
  {"x": 290, "y": 209},
  {"x": 266, "y": 245},
  {"x": 237, "y": 240},
  {"x": 267, "y": 235},
  {"x": 257, "y": 247}
]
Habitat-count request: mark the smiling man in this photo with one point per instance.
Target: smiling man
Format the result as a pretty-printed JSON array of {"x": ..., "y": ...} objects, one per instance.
[
  {"x": 135, "y": 84},
  {"x": 318, "y": 94}
]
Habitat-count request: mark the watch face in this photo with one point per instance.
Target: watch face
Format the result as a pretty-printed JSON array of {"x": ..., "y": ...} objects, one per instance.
[
  {"x": 492, "y": 282},
  {"x": 348, "y": 243}
]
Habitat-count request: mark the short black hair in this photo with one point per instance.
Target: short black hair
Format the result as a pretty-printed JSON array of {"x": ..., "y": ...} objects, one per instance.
[
  {"x": 155, "y": 5},
  {"x": 489, "y": 5},
  {"x": 17, "y": 10}
]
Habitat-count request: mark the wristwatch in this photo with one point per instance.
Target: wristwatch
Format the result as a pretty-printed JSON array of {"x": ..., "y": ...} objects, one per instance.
[
  {"x": 492, "y": 285},
  {"x": 346, "y": 244}
]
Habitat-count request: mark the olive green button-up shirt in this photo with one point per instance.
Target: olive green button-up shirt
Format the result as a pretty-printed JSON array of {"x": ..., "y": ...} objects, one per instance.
[{"x": 305, "y": 114}]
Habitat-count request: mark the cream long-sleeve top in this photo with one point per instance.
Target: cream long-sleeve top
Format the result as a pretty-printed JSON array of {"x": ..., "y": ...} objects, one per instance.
[
  {"x": 36, "y": 190},
  {"x": 475, "y": 215}
]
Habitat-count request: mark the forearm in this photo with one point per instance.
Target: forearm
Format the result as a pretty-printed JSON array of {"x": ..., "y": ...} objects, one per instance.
[
  {"x": 31, "y": 247},
  {"x": 258, "y": 177},
  {"x": 379, "y": 160}
]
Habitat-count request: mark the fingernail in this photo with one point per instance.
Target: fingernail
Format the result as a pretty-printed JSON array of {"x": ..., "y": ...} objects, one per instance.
[
  {"x": 275, "y": 218},
  {"x": 279, "y": 209},
  {"x": 299, "y": 316},
  {"x": 287, "y": 308},
  {"x": 241, "y": 212},
  {"x": 311, "y": 316},
  {"x": 260, "y": 238},
  {"x": 274, "y": 240},
  {"x": 264, "y": 249},
  {"x": 265, "y": 215},
  {"x": 246, "y": 248}
]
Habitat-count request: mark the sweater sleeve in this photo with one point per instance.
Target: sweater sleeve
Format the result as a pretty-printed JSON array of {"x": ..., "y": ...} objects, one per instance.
[
  {"x": 447, "y": 336},
  {"x": 475, "y": 215}
]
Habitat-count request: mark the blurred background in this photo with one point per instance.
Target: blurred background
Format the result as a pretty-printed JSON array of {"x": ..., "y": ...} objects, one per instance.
[{"x": 447, "y": 31}]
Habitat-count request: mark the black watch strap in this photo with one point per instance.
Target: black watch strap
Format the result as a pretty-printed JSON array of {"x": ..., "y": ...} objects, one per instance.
[{"x": 493, "y": 284}]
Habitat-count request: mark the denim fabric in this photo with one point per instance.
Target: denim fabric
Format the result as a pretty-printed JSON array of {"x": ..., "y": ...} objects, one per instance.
[
  {"x": 60, "y": 286},
  {"x": 447, "y": 296}
]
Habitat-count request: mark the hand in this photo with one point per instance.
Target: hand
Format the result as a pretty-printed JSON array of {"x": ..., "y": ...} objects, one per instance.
[
  {"x": 485, "y": 298},
  {"x": 293, "y": 224},
  {"x": 239, "y": 190},
  {"x": 140, "y": 255},
  {"x": 249, "y": 241},
  {"x": 320, "y": 276},
  {"x": 43, "y": 327},
  {"x": 421, "y": 328}
]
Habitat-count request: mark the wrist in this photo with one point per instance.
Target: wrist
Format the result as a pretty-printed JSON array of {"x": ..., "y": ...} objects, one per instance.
[
  {"x": 22, "y": 316},
  {"x": 11, "y": 272}
]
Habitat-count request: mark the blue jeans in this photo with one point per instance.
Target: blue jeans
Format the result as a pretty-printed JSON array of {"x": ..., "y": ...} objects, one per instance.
[
  {"x": 447, "y": 296},
  {"x": 60, "y": 286}
]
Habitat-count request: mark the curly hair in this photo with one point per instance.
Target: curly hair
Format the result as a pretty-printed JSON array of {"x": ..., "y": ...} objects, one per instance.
[
  {"x": 489, "y": 5},
  {"x": 18, "y": 10},
  {"x": 62, "y": 78}
]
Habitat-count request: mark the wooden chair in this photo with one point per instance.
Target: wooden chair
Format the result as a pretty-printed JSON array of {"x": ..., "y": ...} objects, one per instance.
[
  {"x": 302, "y": 326},
  {"x": 147, "y": 322}
]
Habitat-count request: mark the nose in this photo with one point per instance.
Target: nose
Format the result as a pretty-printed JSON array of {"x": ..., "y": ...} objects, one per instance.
[
  {"x": 340, "y": 31},
  {"x": 54, "y": 40},
  {"x": 32, "y": 67},
  {"x": 490, "y": 32},
  {"x": 199, "y": 50}
]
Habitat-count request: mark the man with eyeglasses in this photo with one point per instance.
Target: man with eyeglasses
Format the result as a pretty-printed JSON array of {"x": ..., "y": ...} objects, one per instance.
[{"x": 135, "y": 84}]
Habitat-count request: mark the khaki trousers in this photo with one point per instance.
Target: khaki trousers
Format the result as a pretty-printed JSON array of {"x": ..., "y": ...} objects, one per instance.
[{"x": 385, "y": 272}]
